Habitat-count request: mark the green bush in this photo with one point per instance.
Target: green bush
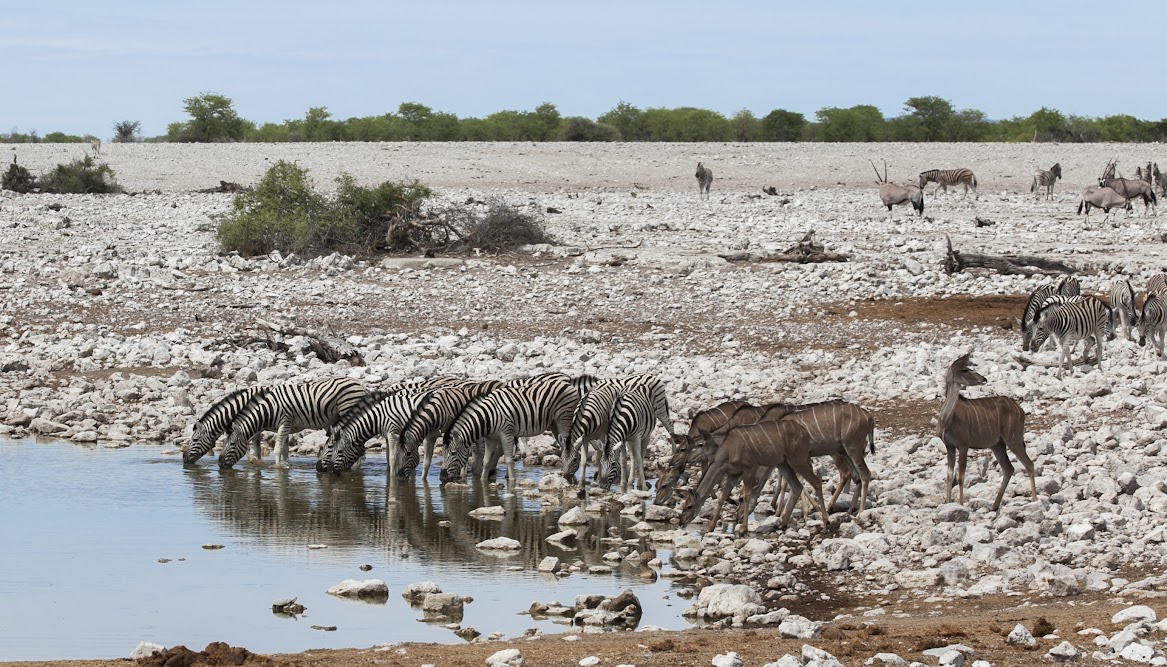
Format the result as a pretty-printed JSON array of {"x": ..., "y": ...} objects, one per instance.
[
  {"x": 17, "y": 178},
  {"x": 577, "y": 128},
  {"x": 285, "y": 213},
  {"x": 83, "y": 176}
]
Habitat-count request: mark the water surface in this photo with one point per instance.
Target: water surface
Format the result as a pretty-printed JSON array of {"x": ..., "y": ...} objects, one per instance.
[{"x": 84, "y": 530}]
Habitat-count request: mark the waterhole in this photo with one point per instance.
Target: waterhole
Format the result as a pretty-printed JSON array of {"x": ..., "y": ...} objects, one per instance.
[{"x": 103, "y": 548}]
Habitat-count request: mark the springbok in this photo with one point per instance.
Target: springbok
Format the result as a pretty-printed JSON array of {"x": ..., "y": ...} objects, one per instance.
[
  {"x": 996, "y": 423},
  {"x": 1104, "y": 198},
  {"x": 895, "y": 195},
  {"x": 782, "y": 444}
]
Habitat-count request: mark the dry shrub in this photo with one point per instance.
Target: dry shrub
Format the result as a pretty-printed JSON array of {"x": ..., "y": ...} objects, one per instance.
[{"x": 504, "y": 227}]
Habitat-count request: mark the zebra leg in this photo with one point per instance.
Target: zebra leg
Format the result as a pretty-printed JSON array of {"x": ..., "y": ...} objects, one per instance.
[
  {"x": 282, "y": 433},
  {"x": 430, "y": 441},
  {"x": 638, "y": 456},
  {"x": 508, "y": 452},
  {"x": 254, "y": 453}
]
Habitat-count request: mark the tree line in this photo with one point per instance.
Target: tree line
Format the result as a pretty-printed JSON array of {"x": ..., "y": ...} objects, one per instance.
[{"x": 212, "y": 118}]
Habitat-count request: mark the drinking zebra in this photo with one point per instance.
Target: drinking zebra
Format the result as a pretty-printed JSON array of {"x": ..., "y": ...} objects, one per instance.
[
  {"x": 946, "y": 177},
  {"x": 286, "y": 409},
  {"x": 1153, "y": 324},
  {"x": 1029, "y": 316},
  {"x": 704, "y": 180},
  {"x": 1046, "y": 179},
  {"x": 1081, "y": 318},
  {"x": 629, "y": 429},
  {"x": 589, "y": 425},
  {"x": 504, "y": 415},
  {"x": 1122, "y": 302},
  {"x": 1069, "y": 286},
  {"x": 215, "y": 422},
  {"x": 435, "y": 418},
  {"x": 377, "y": 414}
]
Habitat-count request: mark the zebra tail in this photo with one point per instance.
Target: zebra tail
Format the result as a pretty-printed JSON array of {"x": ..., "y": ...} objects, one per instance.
[
  {"x": 974, "y": 181},
  {"x": 1033, "y": 185}
]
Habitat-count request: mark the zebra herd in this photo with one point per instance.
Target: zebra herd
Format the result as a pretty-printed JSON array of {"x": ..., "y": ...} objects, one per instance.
[
  {"x": 480, "y": 422},
  {"x": 1059, "y": 312}
]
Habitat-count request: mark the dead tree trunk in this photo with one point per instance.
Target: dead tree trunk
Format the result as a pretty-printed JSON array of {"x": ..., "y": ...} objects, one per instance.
[
  {"x": 956, "y": 261},
  {"x": 328, "y": 347},
  {"x": 808, "y": 251}
]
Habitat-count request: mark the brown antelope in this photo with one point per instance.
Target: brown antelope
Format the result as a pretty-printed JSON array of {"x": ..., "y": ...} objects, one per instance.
[
  {"x": 837, "y": 429},
  {"x": 996, "y": 423},
  {"x": 688, "y": 449},
  {"x": 782, "y": 444},
  {"x": 1104, "y": 198},
  {"x": 894, "y": 195},
  {"x": 95, "y": 147},
  {"x": 1128, "y": 188}
]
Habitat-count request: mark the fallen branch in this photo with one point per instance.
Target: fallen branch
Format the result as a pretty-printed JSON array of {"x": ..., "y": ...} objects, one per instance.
[
  {"x": 616, "y": 247},
  {"x": 328, "y": 347},
  {"x": 1028, "y": 265},
  {"x": 808, "y": 251}
]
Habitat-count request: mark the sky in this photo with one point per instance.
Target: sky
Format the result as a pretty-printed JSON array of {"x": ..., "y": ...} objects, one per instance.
[{"x": 79, "y": 67}]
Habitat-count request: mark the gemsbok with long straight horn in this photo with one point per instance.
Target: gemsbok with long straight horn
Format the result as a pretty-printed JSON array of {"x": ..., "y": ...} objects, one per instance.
[
  {"x": 782, "y": 444},
  {"x": 1104, "y": 198},
  {"x": 1129, "y": 188},
  {"x": 996, "y": 423},
  {"x": 895, "y": 195}
]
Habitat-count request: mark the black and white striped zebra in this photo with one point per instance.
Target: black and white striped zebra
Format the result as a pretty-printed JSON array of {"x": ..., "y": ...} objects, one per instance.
[
  {"x": 1157, "y": 284},
  {"x": 1153, "y": 324},
  {"x": 504, "y": 415},
  {"x": 626, "y": 442},
  {"x": 1122, "y": 302},
  {"x": 1045, "y": 179},
  {"x": 946, "y": 177},
  {"x": 1082, "y": 318},
  {"x": 1069, "y": 286},
  {"x": 286, "y": 409},
  {"x": 590, "y": 425},
  {"x": 377, "y": 414},
  {"x": 435, "y": 418},
  {"x": 1029, "y": 316},
  {"x": 704, "y": 180},
  {"x": 215, "y": 422}
]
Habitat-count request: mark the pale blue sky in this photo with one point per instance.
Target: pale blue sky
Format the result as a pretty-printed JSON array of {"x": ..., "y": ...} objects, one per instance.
[{"x": 78, "y": 67}]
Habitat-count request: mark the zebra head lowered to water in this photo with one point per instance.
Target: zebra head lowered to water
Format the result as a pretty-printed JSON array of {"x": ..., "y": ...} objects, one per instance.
[{"x": 215, "y": 422}]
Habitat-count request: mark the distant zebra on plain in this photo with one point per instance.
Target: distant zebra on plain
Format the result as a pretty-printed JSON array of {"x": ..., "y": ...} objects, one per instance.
[
  {"x": 1082, "y": 318},
  {"x": 704, "y": 180},
  {"x": 215, "y": 422},
  {"x": 1046, "y": 179},
  {"x": 946, "y": 177},
  {"x": 286, "y": 409}
]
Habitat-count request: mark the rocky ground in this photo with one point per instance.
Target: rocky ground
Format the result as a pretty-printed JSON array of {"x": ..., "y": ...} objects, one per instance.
[{"x": 121, "y": 323}]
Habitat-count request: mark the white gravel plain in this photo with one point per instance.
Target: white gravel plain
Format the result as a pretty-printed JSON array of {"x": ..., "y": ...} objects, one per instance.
[{"x": 121, "y": 323}]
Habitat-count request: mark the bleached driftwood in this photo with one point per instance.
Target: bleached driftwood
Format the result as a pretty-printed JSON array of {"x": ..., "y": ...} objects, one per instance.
[{"x": 958, "y": 261}]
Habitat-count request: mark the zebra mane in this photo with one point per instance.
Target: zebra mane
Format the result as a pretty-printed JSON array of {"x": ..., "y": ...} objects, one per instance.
[
  {"x": 367, "y": 402},
  {"x": 222, "y": 403},
  {"x": 414, "y": 414},
  {"x": 472, "y": 404}
]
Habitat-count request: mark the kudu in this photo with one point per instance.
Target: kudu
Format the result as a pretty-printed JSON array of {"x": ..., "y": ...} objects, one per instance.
[
  {"x": 895, "y": 195},
  {"x": 996, "y": 423},
  {"x": 782, "y": 444},
  {"x": 688, "y": 450}
]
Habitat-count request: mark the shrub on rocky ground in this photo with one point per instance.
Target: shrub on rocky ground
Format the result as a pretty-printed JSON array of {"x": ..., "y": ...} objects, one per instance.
[
  {"x": 284, "y": 212},
  {"x": 81, "y": 176},
  {"x": 18, "y": 178}
]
